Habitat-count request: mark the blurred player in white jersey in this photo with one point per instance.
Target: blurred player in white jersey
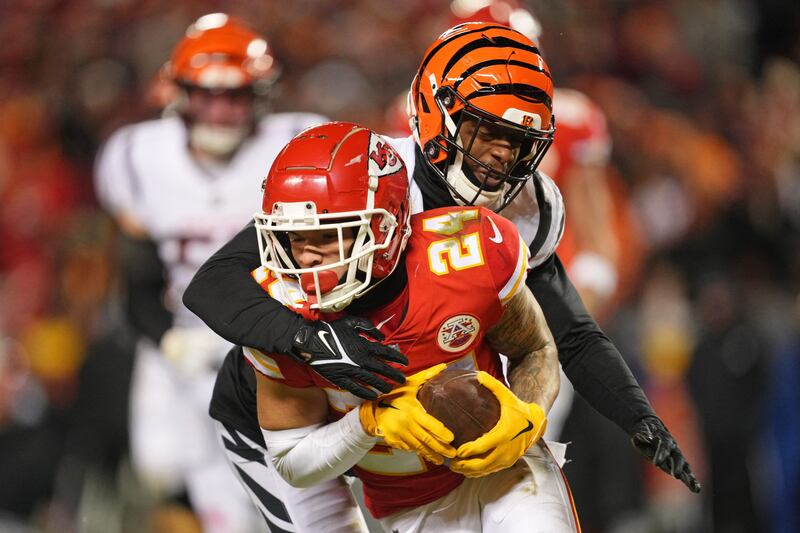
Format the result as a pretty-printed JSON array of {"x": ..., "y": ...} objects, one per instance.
[{"x": 175, "y": 185}]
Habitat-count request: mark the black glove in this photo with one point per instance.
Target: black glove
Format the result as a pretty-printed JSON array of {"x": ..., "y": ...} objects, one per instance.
[
  {"x": 655, "y": 442},
  {"x": 340, "y": 352}
]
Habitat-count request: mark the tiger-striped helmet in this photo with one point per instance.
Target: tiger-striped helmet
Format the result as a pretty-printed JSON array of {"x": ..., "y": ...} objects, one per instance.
[{"x": 494, "y": 77}]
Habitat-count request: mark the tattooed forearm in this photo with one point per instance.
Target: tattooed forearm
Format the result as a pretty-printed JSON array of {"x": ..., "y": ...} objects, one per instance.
[
  {"x": 535, "y": 378},
  {"x": 522, "y": 328},
  {"x": 523, "y": 336}
]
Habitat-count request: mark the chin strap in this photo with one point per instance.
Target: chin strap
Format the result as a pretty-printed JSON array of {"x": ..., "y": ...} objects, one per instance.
[
  {"x": 464, "y": 186},
  {"x": 340, "y": 305}
]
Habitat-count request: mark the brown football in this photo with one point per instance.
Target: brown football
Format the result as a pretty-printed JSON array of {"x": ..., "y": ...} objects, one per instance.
[{"x": 457, "y": 399}]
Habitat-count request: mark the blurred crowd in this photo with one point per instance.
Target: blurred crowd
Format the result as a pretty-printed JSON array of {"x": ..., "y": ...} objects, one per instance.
[{"x": 702, "y": 99}]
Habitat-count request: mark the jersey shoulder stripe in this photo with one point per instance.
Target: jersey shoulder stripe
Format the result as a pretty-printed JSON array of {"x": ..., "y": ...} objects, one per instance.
[
  {"x": 516, "y": 281},
  {"x": 507, "y": 253},
  {"x": 558, "y": 214},
  {"x": 552, "y": 215},
  {"x": 287, "y": 292},
  {"x": 263, "y": 363}
]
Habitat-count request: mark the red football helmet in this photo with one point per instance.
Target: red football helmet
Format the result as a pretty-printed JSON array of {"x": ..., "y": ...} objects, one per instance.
[
  {"x": 494, "y": 76},
  {"x": 583, "y": 136},
  {"x": 336, "y": 176}
]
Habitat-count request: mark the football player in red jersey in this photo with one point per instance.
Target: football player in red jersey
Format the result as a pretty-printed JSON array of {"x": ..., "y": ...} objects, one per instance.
[
  {"x": 482, "y": 118},
  {"x": 334, "y": 225}
]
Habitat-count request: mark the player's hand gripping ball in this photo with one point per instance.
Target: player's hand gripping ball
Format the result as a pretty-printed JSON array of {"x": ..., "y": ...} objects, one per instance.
[
  {"x": 401, "y": 421},
  {"x": 492, "y": 428},
  {"x": 457, "y": 399}
]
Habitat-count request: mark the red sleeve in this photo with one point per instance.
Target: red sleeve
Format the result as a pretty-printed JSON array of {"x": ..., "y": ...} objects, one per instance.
[{"x": 505, "y": 252}]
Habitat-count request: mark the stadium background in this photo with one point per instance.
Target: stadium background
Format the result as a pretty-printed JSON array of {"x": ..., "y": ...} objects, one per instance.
[{"x": 703, "y": 103}]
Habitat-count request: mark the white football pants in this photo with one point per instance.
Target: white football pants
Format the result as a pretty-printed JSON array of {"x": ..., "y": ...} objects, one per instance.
[{"x": 530, "y": 497}]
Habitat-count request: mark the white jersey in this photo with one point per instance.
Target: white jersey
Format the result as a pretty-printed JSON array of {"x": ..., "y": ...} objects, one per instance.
[
  {"x": 189, "y": 209},
  {"x": 537, "y": 211}
]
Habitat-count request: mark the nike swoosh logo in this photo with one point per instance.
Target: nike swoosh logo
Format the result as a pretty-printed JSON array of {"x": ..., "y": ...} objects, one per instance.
[
  {"x": 382, "y": 403},
  {"x": 527, "y": 429},
  {"x": 379, "y": 326},
  {"x": 498, "y": 237},
  {"x": 322, "y": 335}
]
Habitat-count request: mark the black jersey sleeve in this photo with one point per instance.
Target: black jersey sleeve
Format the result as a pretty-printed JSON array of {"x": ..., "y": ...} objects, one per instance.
[
  {"x": 589, "y": 359},
  {"x": 227, "y": 298},
  {"x": 143, "y": 276}
]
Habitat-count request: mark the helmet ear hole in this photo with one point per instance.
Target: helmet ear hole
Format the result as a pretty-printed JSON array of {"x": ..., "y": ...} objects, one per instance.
[
  {"x": 446, "y": 96},
  {"x": 432, "y": 149}
]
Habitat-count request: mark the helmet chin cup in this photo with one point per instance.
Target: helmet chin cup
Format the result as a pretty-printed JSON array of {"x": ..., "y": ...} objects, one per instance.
[
  {"x": 323, "y": 282},
  {"x": 471, "y": 194}
]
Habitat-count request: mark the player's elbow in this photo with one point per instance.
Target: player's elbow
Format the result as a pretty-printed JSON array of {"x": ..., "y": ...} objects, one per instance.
[
  {"x": 191, "y": 298},
  {"x": 200, "y": 300}
]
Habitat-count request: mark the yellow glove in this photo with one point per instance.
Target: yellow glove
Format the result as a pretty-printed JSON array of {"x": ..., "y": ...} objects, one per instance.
[
  {"x": 520, "y": 425},
  {"x": 403, "y": 423}
]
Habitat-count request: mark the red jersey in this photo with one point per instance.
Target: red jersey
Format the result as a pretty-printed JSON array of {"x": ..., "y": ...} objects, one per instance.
[{"x": 463, "y": 265}]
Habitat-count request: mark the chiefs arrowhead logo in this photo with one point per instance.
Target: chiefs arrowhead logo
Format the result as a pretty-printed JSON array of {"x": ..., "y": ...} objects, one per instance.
[
  {"x": 382, "y": 155},
  {"x": 383, "y": 160}
]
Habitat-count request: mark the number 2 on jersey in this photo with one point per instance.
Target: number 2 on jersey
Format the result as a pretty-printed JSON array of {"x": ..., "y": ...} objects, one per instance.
[{"x": 458, "y": 252}]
